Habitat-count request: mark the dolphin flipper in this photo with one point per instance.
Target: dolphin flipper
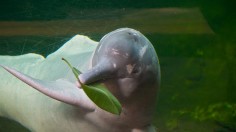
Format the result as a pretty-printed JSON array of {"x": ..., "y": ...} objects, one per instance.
[{"x": 61, "y": 90}]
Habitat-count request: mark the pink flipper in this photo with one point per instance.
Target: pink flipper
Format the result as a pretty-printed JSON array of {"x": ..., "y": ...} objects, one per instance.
[{"x": 60, "y": 90}]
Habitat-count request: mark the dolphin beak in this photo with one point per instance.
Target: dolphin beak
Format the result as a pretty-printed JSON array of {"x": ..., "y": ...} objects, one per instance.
[{"x": 101, "y": 71}]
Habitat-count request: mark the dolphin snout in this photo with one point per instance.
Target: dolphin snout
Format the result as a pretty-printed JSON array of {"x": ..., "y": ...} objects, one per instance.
[{"x": 101, "y": 71}]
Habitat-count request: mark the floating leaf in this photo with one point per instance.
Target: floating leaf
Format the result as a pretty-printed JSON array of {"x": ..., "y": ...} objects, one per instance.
[
  {"x": 103, "y": 98},
  {"x": 99, "y": 94},
  {"x": 74, "y": 70},
  {"x": 113, "y": 98}
]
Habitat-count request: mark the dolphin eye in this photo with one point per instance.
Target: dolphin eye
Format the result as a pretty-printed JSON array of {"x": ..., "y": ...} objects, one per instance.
[{"x": 136, "y": 70}]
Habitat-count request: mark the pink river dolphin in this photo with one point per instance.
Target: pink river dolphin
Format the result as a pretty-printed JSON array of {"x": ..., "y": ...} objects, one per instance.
[{"x": 43, "y": 94}]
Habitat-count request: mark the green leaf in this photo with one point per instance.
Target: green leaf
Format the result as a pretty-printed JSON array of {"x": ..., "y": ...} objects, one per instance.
[
  {"x": 103, "y": 98},
  {"x": 74, "y": 70},
  {"x": 99, "y": 94}
]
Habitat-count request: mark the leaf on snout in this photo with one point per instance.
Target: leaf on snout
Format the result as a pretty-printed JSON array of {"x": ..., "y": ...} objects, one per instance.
[{"x": 99, "y": 94}]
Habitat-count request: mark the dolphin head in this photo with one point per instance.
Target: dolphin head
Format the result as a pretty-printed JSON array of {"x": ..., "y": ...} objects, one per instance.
[{"x": 123, "y": 53}]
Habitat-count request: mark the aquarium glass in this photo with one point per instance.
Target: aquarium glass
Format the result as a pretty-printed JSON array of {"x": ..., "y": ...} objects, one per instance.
[{"x": 194, "y": 39}]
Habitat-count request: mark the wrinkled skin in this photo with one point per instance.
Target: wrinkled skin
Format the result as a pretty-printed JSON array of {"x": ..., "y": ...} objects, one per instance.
[{"x": 124, "y": 60}]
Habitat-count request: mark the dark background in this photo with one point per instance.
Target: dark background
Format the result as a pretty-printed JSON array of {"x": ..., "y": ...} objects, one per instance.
[{"x": 220, "y": 14}]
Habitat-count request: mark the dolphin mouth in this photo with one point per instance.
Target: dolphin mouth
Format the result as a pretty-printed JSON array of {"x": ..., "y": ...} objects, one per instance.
[
  {"x": 88, "y": 78},
  {"x": 101, "y": 78}
]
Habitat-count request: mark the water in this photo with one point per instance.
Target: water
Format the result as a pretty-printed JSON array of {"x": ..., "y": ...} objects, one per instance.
[{"x": 194, "y": 41}]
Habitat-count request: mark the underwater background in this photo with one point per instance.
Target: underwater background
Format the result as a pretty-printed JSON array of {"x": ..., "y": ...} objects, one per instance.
[{"x": 194, "y": 39}]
